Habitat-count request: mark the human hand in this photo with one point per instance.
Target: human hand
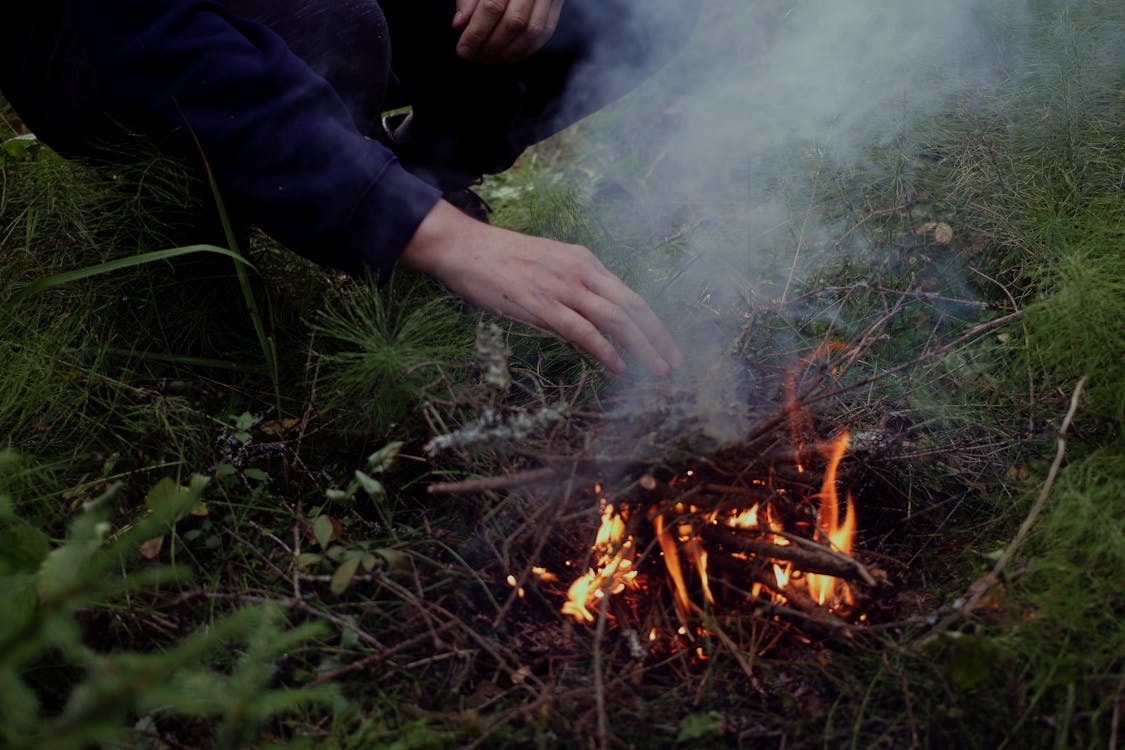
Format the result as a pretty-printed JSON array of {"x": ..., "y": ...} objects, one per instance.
[
  {"x": 504, "y": 30},
  {"x": 543, "y": 283}
]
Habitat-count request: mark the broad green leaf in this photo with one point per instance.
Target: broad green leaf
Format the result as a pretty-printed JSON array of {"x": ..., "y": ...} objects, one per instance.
[
  {"x": 21, "y": 147},
  {"x": 173, "y": 501},
  {"x": 163, "y": 492},
  {"x": 322, "y": 530},
  {"x": 344, "y": 574},
  {"x": 307, "y": 559},
  {"x": 700, "y": 725},
  {"x": 19, "y": 602},
  {"x": 256, "y": 474}
]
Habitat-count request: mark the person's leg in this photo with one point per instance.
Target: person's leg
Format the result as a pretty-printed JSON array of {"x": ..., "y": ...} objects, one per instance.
[
  {"x": 471, "y": 119},
  {"x": 346, "y": 41},
  {"x": 46, "y": 75}
]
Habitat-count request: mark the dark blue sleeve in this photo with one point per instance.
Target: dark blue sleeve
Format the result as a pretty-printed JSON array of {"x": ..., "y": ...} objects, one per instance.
[{"x": 278, "y": 138}]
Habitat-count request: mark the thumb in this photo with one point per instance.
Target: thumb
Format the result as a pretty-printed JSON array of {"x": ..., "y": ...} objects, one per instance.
[{"x": 464, "y": 12}]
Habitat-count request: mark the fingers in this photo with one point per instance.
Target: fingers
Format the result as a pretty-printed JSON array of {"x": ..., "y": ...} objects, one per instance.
[
  {"x": 573, "y": 326},
  {"x": 465, "y": 10},
  {"x": 544, "y": 283},
  {"x": 631, "y": 321},
  {"x": 504, "y": 30},
  {"x": 483, "y": 23},
  {"x": 584, "y": 303}
]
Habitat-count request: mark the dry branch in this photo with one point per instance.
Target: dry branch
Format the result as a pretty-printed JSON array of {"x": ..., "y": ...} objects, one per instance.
[
  {"x": 803, "y": 605},
  {"x": 985, "y": 583},
  {"x": 811, "y": 559},
  {"x": 484, "y": 484}
]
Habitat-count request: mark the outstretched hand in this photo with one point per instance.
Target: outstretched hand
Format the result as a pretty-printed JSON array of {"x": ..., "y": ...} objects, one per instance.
[
  {"x": 543, "y": 283},
  {"x": 504, "y": 30}
]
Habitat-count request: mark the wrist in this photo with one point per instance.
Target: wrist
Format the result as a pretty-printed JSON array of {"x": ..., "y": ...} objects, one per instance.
[{"x": 435, "y": 239}]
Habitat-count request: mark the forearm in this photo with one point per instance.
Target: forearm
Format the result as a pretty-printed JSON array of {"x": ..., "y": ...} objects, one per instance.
[{"x": 279, "y": 140}]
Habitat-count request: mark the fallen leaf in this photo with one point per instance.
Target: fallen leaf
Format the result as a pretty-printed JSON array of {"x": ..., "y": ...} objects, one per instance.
[
  {"x": 278, "y": 426},
  {"x": 150, "y": 550},
  {"x": 943, "y": 233}
]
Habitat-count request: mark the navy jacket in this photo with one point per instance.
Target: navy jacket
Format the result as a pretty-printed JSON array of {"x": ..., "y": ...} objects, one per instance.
[{"x": 280, "y": 142}]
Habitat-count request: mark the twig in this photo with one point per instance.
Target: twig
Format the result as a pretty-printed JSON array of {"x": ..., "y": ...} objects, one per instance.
[
  {"x": 861, "y": 569},
  {"x": 977, "y": 591},
  {"x": 972, "y": 333},
  {"x": 1115, "y": 722},
  {"x": 289, "y": 602},
  {"x": 801, "y": 237},
  {"x": 371, "y": 659},
  {"x": 985, "y": 583},
  {"x": 801, "y": 605},
  {"x": 880, "y": 212},
  {"x": 483, "y": 484},
  {"x": 1027, "y": 345},
  {"x": 814, "y": 558},
  {"x": 297, "y": 529},
  {"x": 869, "y": 337},
  {"x": 599, "y": 670}
]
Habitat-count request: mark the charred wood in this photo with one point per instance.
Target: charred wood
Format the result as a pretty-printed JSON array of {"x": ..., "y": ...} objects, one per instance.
[{"x": 807, "y": 558}]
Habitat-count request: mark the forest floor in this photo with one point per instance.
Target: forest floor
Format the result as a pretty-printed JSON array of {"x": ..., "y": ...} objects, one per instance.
[{"x": 280, "y": 507}]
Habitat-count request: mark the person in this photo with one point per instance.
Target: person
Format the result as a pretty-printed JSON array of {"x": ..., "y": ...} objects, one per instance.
[{"x": 283, "y": 99}]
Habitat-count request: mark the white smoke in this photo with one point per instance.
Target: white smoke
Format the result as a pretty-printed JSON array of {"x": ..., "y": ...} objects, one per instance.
[{"x": 833, "y": 77}]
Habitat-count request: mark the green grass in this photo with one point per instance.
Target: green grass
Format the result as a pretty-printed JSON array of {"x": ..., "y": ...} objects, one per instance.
[{"x": 156, "y": 371}]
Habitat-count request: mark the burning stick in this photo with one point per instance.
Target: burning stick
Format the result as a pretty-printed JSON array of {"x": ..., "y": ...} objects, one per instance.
[
  {"x": 812, "y": 558},
  {"x": 799, "y": 602}
]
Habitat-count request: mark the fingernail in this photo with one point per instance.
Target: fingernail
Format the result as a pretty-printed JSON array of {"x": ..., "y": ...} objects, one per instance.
[{"x": 457, "y": 18}]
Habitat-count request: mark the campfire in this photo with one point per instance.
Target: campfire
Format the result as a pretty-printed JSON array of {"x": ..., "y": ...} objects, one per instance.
[
  {"x": 765, "y": 527},
  {"x": 722, "y": 546}
]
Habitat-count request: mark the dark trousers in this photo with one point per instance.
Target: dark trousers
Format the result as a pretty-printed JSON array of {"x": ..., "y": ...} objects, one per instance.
[{"x": 469, "y": 119}]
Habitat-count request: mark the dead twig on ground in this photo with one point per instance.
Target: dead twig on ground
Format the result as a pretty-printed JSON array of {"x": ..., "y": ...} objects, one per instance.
[
  {"x": 982, "y": 586},
  {"x": 484, "y": 484},
  {"x": 989, "y": 580}
]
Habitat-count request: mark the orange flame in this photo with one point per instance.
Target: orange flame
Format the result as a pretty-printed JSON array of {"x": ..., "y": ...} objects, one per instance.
[
  {"x": 672, "y": 565},
  {"x": 614, "y": 550},
  {"x": 827, "y": 589},
  {"x": 612, "y": 571}
]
